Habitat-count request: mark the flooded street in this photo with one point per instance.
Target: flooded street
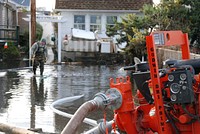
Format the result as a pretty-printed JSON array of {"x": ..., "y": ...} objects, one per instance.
[{"x": 26, "y": 99}]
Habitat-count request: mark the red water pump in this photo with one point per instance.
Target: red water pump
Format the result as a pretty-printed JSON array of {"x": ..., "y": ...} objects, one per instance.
[{"x": 167, "y": 100}]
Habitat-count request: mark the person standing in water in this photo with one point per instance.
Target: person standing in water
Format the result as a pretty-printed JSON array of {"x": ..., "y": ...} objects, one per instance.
[{"x": 39, "y": 55}]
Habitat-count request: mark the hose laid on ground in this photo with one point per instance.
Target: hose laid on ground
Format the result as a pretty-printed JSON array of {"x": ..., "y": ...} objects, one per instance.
[
  {"x": 64, "y": 100},
  {"x": 79, "y": 116}
]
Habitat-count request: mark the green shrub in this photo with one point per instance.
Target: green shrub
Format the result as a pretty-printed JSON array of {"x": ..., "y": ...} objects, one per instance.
[{"x": 11, "y": 53}]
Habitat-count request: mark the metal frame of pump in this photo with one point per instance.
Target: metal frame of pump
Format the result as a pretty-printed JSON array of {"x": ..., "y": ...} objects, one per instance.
[{"x": 163, "y": 38}]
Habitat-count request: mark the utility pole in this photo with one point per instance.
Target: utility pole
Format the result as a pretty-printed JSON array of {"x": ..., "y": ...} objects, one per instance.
[
  {"x": 7, "y": 14},
  {"x": 33, "y": 21}
]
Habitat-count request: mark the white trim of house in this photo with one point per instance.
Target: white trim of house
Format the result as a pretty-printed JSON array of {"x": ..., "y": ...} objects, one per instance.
[
  {"x": 99, "y": 11},
  {"x": 45, "y": 18}
]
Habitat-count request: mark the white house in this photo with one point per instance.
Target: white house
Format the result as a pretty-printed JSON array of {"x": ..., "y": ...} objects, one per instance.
[
  {"x": 92, "y": 15},
  {"x": 95, "y": 15}
]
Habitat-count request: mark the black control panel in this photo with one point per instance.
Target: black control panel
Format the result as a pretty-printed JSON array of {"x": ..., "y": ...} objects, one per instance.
[{"x": 180, "y": 85}]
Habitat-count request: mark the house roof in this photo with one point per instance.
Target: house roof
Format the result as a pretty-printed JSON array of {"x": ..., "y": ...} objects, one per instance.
[{"x": 101, "y": 4}]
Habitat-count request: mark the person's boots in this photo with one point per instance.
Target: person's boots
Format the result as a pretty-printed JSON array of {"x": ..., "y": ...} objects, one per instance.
[
  {"x": 34, "y": 71},
  {"x": 41, "y": 68},
  {"x": 41, "y": 72}
]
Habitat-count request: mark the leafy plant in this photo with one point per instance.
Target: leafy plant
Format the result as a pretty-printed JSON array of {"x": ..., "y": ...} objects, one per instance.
[
  {"x": 168, "y": 15},
  {"x": 11, "y": 53},
  {"x": 193, "y": 15}
]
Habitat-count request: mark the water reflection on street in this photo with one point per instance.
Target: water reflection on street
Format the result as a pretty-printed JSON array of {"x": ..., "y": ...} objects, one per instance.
[{"x": 25, "y": 99}]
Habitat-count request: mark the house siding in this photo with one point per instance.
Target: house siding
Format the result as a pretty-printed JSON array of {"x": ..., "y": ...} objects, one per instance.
[
  {"x": 1, "y": 14},
  {"x": 8, "y": 14},
  {"x": 69, "y": 16},
  {"x": 4, "y": 18}
]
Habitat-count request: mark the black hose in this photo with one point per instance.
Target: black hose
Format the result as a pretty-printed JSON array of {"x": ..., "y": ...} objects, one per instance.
[{"x": 172, "y": 123}]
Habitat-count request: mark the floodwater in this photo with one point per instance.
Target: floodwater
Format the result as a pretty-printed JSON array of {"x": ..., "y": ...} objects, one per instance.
[{"x": 25, "y": 100}]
